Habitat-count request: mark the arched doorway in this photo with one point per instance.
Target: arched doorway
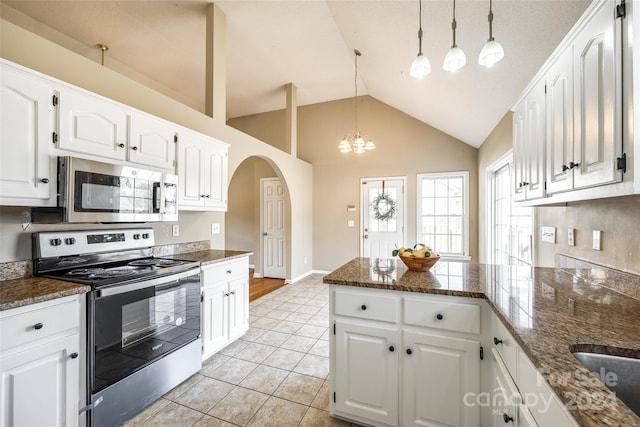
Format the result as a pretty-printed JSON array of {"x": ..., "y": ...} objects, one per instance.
[{"x": 243, "y": 221}]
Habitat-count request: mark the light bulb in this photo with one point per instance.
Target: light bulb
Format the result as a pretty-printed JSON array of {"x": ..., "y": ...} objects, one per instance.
[{"x": 420, "y": 67}]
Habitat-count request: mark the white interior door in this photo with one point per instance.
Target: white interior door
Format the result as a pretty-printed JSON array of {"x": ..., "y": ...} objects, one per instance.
[
  {"x": 383, "y": 203},
  {"x": 273, "y": 228}
]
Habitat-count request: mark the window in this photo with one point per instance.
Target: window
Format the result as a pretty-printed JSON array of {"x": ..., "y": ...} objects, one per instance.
[
  {"x": 443, "y": 213},
  {"x": 509, "y": 226}
]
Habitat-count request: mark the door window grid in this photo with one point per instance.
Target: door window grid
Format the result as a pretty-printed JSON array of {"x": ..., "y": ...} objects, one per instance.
[{"x": 443, "y": 213}]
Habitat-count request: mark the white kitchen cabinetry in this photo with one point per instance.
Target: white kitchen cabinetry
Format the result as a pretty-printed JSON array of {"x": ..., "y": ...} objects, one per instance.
[
  {"x": 519, "y": 393},
  {"x": 399, "y": 359},
  {"x": 40, "y": 364},
  {"x": 225, "y": 291},
  {"x": 529, "y": 145},
  {"x": 27, "y": 122},
  {"x": 96, "y": 126},
  {"x": 202, "y": 170}
]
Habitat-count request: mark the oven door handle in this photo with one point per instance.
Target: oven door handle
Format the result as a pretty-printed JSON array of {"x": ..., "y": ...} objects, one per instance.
[{"x": 159, "y": 281}]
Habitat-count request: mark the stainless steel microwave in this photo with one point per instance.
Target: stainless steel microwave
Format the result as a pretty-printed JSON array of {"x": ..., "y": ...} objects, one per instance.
[{"x": 90, "y": 191}]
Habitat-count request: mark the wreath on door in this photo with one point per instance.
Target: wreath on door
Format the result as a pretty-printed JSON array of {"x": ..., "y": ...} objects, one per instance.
[{"x": 384, "y": 207}]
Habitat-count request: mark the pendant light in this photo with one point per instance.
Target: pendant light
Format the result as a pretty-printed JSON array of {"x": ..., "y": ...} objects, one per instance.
[
  {"x": 358, "y": 145},
  {"x": 492, "y": 51},
  {"x": 420, "y": 67},
  {"x": 455, "y": 58}
]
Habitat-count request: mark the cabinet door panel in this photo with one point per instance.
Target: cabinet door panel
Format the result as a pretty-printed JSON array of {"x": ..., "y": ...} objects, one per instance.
[
  {"x": 519, "y": 152},
  {"x": 597, "y": 133},
  {"x": 366, "y": 371},
  {"x": 24, "y": 141},
  {"x": 439, "y": 374},
  {"x": 152, "y": 142},
  {"x": 215, "y": 314},
  {"x": 535, "y": 142},
  {"x": 216, "y": 183},
  {"x": 92, "y": 125},
  {"x": 45, "y": 378},
  {"x": 238, "y": 307},
  {"x": 190, "y": 175},
  {"x": 560, "y": 123}
]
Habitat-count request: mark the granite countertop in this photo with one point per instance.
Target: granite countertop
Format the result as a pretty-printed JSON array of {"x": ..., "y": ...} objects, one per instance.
[
  {"x": 547, "y": 310},
  {"x": 31, "y": 290},
  {"x": 211, "y": 256}
]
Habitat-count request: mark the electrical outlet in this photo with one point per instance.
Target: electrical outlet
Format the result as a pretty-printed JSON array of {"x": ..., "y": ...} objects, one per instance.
[
  {"x": 571, "y": 237},
  {"x": 596, "y": 240},
  {"x": 175, "y": 230},
  {"x": 215, "y": 228},
  {"x": 548, "y": 234},
  {"x": 351, "y": 223}
]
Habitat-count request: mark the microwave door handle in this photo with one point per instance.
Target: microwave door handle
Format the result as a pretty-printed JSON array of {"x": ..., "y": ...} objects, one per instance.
[{"x": 156, "y": 198}]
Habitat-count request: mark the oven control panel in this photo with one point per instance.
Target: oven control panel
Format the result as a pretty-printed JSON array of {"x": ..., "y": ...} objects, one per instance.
[{"x": 63, "y": 243}]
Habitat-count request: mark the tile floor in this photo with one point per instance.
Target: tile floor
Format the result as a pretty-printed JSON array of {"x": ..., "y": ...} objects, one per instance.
[{"x": 275, "y": 375}]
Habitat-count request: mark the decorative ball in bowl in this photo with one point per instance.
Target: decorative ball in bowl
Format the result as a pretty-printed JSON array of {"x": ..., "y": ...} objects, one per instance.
[{"x": 418, "y": 258}]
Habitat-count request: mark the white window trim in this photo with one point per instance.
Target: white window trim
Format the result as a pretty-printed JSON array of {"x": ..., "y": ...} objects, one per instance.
[
  {"x": 465, "y": 175},
  {"x": 504, "y": 160}
]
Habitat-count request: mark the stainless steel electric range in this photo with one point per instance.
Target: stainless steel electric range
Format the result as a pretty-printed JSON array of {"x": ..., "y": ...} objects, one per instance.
[{"x": 143, "y": 315}]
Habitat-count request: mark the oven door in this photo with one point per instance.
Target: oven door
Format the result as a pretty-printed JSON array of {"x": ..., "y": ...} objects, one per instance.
[
  {"x": 102, "y": 192},
  {"x": 133, "y": 325}
]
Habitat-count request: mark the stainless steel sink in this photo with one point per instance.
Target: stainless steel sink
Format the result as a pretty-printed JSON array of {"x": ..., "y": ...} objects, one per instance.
[{"x": 619, "y": 374}]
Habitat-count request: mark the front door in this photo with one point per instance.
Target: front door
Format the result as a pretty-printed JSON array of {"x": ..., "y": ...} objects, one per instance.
[
  {"x": 273, "y": 228},
  {"x": 383, "y": 216}
]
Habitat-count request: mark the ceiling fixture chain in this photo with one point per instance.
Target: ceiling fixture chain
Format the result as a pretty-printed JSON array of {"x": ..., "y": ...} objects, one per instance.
[{"x": 357, "y": 145}]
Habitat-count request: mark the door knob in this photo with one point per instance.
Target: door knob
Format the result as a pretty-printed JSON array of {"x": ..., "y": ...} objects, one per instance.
[
  {"x": 366, "y": 236},
  {"x": 264, "y": 233}
]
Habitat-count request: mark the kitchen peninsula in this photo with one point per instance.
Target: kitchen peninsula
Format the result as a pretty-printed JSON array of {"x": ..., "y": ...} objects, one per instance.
[{"x": 524, "y": 320}]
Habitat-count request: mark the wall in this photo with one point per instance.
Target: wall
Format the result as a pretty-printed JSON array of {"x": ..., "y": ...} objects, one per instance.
[
  {"x": 497, "y": 144},
  {"x": 37, "y": 53},
  {"x": 405, "y": 147},
  {"x": 243, "y": 217}
]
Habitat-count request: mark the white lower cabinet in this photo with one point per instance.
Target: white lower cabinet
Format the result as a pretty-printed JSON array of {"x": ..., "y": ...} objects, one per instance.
[
  {"x": 40, "y": 364},
  {"x": 389, "y": 369},
  {"x": 225, "y": 304}
]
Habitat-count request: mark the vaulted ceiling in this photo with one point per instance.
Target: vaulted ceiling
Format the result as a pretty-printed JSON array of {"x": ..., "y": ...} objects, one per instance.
[{"x": 310, "y": 43}]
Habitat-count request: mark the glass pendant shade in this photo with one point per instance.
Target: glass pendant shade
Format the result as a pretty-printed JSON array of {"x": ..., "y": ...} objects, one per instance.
[
  {"x": 491, "y": 53},
  {"x": 454, "y": 60},
  {"x": 358, "y": 144},
  {"x": 420, "y": 67},
  {"x": 369, "y": 145},
  {"x": 344, "y": 146}
]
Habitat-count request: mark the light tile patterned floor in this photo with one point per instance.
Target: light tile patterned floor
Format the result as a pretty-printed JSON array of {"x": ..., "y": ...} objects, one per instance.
[{"x": 275, "y": 375}]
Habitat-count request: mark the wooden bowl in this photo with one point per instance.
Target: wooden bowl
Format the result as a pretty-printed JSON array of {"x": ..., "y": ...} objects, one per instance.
[{"x": 419, "y": 264}]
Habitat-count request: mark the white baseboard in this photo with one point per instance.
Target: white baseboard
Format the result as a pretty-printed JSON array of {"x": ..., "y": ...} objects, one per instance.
[
  {"x": 257, "y": 275},
  {"x": 252, "y": 266},
  {"x": 302, "y": 276}
]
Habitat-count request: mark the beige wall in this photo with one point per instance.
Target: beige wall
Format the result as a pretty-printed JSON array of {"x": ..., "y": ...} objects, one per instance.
[
  {"x": 37, "y": 53},
  {"x": 405, "y": 147},
  {"x": 243, "y": 217},
  {"x": 497, "y": 144}
]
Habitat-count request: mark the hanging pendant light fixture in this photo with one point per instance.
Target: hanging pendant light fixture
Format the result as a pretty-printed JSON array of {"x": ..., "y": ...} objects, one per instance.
[
  {"x": 420, "y": 67},
  {"x": 492, "y": 52},
  {"x": 455, "y": 58},
  {"x": 358, "y": 145}
]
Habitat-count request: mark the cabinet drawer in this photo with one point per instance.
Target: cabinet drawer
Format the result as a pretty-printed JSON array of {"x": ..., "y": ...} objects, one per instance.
[
  {"x": 366, "y": 305},
  {"x": 39, "y": 323},
  {"x": 507, "y": 347},
  {"x": 449, "y": 316},
  {"x": 225, "y": 270}
]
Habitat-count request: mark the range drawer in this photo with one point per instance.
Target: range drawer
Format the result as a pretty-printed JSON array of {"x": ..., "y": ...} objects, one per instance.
[
  {"x": 222, "y": 271},
  {"x": 366, "y": 305},
  {"x": 450, "y": 316},
  {"x": 39, "y": 322}
]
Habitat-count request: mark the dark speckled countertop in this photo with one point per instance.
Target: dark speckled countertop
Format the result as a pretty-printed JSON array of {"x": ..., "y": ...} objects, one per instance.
[
  {"x": 20, "y": 292},
  {"x": 548, "y": 310}
]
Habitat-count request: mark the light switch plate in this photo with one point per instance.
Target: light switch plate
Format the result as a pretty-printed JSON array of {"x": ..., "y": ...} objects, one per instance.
[
  {"x": 548, "y": 234},
  {"x": 351, "y": 223},
  {"x": 215, "y": 228},
  {"x": 175, "y": 230},
  {"x": 571, "y": 241},
  {"x": 597, "y": 240}
]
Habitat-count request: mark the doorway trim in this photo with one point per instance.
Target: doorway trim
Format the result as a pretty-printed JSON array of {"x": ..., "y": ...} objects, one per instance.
[{"x": 404, "y": 213}]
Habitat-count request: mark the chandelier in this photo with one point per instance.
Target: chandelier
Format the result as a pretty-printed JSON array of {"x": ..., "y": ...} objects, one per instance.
[{"x": 357, "y": 144}]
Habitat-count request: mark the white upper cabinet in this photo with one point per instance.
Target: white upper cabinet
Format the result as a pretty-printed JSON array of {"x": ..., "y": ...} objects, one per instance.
[
  {"x": 581, "y": 120},
  {"x": 92, "y": 125},
  {"x": 153, "y": 142},
  {"x": 597, "y": 140},
  {"x": 27, "y": 122},
  {"x": 202, "y": 171}
]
